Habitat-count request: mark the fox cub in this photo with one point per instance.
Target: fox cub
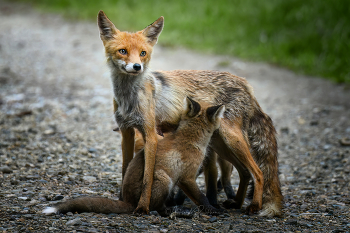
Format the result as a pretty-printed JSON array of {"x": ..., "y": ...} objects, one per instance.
[
  {"x": 178, "y": 159},
  {"x": 148, "y": 101},
  {"x": 209, "y": 168}
]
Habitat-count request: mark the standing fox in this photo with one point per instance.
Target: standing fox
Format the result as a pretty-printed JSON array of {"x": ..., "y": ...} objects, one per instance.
[
  {"x": 179, "y": 156},
  {"x": 148, "y": 100}
]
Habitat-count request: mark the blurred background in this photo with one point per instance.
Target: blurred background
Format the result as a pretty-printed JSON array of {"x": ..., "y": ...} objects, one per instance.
[{"x": 310, "y": 37}]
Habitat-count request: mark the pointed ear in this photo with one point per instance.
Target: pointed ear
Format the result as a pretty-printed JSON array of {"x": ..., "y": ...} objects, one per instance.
[
  {"x": 215, "y": 113},
  {"x": 153, "y": 31},
  {"x": 107, "y": 28},
  {"x": 192, "y": 108}
]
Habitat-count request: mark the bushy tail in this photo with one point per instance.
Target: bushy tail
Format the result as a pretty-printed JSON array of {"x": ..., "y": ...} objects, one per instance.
[
  {"x": 91, "y": 204},
  {"x": 262, "y": 138}
]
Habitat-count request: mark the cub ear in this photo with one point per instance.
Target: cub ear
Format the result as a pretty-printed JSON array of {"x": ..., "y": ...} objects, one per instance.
[
  {"x": 153, "y": 31},
  {"x": 215, "y": 113},
  {"x": 107, "y": 28},
  {"x": 192, "y": 107}
]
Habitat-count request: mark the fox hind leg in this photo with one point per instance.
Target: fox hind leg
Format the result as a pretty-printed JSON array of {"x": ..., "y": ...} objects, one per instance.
[
  {"x": 231, "y": 145},
  {"x": 225, "y": 179}
]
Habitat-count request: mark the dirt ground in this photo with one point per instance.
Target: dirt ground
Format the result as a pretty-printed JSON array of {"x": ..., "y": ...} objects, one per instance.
[{"x": 56, "y": 138}]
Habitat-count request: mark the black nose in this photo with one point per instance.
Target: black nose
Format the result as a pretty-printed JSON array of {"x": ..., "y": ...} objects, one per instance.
[{"x": 137, "y": 66}]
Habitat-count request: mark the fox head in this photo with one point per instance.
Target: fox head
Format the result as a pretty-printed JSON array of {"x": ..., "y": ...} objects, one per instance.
[
  {"x": 201, "y": 117},
  {"x": 128, "y": 53}
]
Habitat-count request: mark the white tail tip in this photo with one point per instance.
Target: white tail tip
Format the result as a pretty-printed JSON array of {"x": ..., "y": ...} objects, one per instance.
[
  {"x": 49, "y": 210},
  {"x": 270, "y": 210}
]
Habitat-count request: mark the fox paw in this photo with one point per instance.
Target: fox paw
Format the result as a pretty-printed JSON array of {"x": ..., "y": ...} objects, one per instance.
[
  {"x": 231, "y": 204},
  {"x": 253, "y": 209},
  {"x": 141, "y": 210}
]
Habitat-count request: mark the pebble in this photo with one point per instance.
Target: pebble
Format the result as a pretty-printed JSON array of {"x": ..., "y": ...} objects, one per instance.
[
  {"x": 292, "y": 222},
  {"x": 213, "y": 219},
  {"x": 6, "y": 169},
  {"x": 14, "y": 182},
  {"x": 89, "y": 179},
  {"x": 49, "y": 132},
  {"x": 92, "y": 150},
  {"x": 74, "y": 222},
  {"x": 58, "y": 197},
  {"x": 344, "y": 141}
]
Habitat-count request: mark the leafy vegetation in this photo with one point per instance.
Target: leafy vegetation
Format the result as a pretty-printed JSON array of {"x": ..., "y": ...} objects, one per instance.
[{"x": 311, "y": 37}]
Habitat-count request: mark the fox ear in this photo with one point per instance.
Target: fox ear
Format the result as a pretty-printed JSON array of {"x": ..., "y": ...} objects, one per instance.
[
  {"x": 107, "y": 28},
  {"x": 153, "y": 31},
  {"x": 192, "y": 107},
  {"x": 215, "y": 113}
]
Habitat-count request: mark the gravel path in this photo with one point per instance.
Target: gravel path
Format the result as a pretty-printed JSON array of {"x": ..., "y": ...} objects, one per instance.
[{"x": 57, "y": 143}]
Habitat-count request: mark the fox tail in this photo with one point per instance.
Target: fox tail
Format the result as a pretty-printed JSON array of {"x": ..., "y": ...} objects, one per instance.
[
  {"x": 91, "y": 204},
  {"x": 262, "y": 138}
]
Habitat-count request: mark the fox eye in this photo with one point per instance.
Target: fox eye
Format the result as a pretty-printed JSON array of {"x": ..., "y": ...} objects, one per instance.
[
  {"x": 143, "y": 53},
  {"x": 122, "y": 51}
]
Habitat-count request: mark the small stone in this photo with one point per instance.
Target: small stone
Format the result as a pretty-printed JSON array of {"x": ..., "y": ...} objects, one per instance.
[
  {"x": 32, "y": 177},
  {"x": 58, "y": 197},
  {"x": 49, "y": 132},
  {"x": 301, "y": 121},
  {"x": 213, "y": 219},
  {"x": 314, "y": 123},
  {"x": 285, "y": 130},
  {"x": 74, "y": 222},
  {"x": 5, "y": 169},
  {"x": 89, "y": 179},
  {"x": 205, "y": 216},
  {"x": 62, "y": 172},
  {"x": 327, "y": 147},
  {"x": 24, "y": 198},
  {"x": 92, "y": 150},
  {"x": 292, "y": 222},
  {"x": 155, "y": 213},
  {"x": 14, "y": 182},
  {"x": 344, "y": 141}
]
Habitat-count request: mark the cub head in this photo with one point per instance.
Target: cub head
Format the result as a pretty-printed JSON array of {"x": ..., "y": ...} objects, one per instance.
[
  {"x": 128, "y": 53},
  {"x": 202, "y": 116}
]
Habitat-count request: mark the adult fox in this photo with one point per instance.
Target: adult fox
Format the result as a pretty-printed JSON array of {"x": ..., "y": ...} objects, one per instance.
[
  {"x": 178, "y": 159},
  {"x": 148, "y": 100}
]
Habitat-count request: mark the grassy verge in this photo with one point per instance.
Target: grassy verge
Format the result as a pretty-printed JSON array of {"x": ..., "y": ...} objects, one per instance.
[{"x": 311, "y": 37}]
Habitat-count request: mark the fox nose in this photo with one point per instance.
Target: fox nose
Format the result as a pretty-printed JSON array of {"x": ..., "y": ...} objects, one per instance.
[{"x": 137, "y": 66}]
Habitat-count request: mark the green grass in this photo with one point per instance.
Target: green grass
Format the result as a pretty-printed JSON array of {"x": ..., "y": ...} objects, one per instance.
[{"x": 310, "y": 37}]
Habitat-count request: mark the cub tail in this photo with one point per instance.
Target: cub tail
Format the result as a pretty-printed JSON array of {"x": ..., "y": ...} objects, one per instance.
[{"x": 91, "y": 204}]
